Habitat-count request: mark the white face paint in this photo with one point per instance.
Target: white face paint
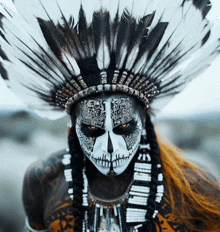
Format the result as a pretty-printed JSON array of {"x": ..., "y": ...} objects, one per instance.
[{"x": 109, "y": 133}]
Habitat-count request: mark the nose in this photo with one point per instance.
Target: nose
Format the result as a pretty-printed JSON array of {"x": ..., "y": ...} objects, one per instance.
[{"x": 110, "y": 145}]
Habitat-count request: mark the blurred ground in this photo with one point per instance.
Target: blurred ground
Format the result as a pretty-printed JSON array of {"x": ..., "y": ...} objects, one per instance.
[{"x": 24, "y": 138}]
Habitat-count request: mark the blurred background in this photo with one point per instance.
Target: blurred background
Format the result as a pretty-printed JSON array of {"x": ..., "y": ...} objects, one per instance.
[{"x": 191, "y": 121}]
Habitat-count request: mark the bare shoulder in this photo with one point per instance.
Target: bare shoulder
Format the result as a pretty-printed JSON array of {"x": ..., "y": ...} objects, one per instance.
[
  {"x": 44, "y": 170},
  {"x": 38, "y": 180}
]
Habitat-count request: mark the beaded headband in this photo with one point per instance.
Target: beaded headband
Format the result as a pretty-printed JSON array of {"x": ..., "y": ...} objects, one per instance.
[{"x": 137, "y": 87}]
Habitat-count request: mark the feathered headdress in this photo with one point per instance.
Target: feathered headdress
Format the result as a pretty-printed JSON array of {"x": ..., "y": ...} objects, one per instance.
[{"x": 55, "y": 52}]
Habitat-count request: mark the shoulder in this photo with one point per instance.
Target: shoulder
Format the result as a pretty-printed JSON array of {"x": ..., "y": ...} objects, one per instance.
[
  {"x": 36, "y": 185},
  {"x": 44, "y": 170}
]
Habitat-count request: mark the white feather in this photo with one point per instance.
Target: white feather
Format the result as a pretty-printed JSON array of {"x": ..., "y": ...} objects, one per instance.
[
  {"x": 132, "y": 57},
  {"x": 71, "y": 64},
  {"x": 103, "y": 55},
  {"x": 123, "y": 54}
]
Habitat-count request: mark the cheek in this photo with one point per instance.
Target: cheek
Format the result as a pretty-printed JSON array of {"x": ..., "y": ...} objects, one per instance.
[{"x": 86, "y": 143}]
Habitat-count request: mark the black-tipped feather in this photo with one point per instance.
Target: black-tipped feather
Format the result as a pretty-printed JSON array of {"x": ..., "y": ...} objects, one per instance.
[
  {"x": 50, "y": 33},
  {"x": 140, "y": 35},
  {"x": 59, "y": 39},
  {"x": 84, "y": 36},
  {"x": 159, "y": 64},
  {"x": 203, "y": 5},
  {"x": 155, "y": 37},
  {"x": 71, "y": 23},
  {"x": 101, "y": 28},
  {"x": 114, "y": 32},
  {"x": 72, "y": 38},
  {"x": 125, "y": 33},
  {"x": 168, "y": 90},
  {"x": 55, "y": 39},
  {"x": 141, "y": 30},
  {"x": 48, "y": 59},
  {"x": 3, "y": 72}
]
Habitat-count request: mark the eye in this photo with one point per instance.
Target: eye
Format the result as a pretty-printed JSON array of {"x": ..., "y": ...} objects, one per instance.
[
  {"x": 93, "y": 127},
  {"x": 124, "y": 126},
  {"x": 126, "y": 129},
  {"x": 91, "y": 131}
]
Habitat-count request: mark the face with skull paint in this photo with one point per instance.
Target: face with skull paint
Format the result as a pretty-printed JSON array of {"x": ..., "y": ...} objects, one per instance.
[{"x": 109, "y": 131}]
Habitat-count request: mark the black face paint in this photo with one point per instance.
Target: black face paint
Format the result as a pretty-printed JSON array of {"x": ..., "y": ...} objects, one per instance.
[
  {"x": 91, "y": 131},
  {"x": 85, "y": 138},
  {"x": 110, "y": 146}
]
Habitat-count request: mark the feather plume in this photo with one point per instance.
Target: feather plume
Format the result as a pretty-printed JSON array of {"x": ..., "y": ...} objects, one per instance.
[
  {"x": 141, "y": 32},
  {"x": 84, "y": 34},
  {"x": 125, "y": 33},
  {"x": 114, "y": 32},
  {"x": 203, "y": 5},
  {"x": 101, "y": 30},
  {"x": 164, "y": 43},
  {"x": 57, "y": 42},
  {"x": 72, "y": 37}
]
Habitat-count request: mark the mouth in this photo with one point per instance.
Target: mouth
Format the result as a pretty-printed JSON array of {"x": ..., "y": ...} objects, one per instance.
[
  {"x": 105, "y": 163},
  {"x": 119, "y": 160}
]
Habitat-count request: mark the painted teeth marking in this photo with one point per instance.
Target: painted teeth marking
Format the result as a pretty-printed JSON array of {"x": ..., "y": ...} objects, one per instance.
[
  {"x": 104, "y": 162},
  {"x": 114, "y": 164}
]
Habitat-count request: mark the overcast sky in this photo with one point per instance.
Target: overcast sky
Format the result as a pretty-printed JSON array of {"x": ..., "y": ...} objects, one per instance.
[{"x": 201, "y": 96}]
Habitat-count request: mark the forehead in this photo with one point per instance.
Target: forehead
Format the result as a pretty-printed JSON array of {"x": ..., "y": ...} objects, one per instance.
[
  {"x": 122, "y": 110},
  {"x": 94, "y": 111}
]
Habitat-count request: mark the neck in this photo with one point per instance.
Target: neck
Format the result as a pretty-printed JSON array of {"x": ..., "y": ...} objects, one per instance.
[{"x": 108, "y": 187}]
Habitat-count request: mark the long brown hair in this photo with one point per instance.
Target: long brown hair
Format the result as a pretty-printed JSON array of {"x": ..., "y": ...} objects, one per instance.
[{"x": 197, "y": 206}]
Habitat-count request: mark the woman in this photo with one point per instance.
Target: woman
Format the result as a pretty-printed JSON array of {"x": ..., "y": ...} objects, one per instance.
[
  {"x": 105, "y": 63},
  {"x": 107, "y": 139}
]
